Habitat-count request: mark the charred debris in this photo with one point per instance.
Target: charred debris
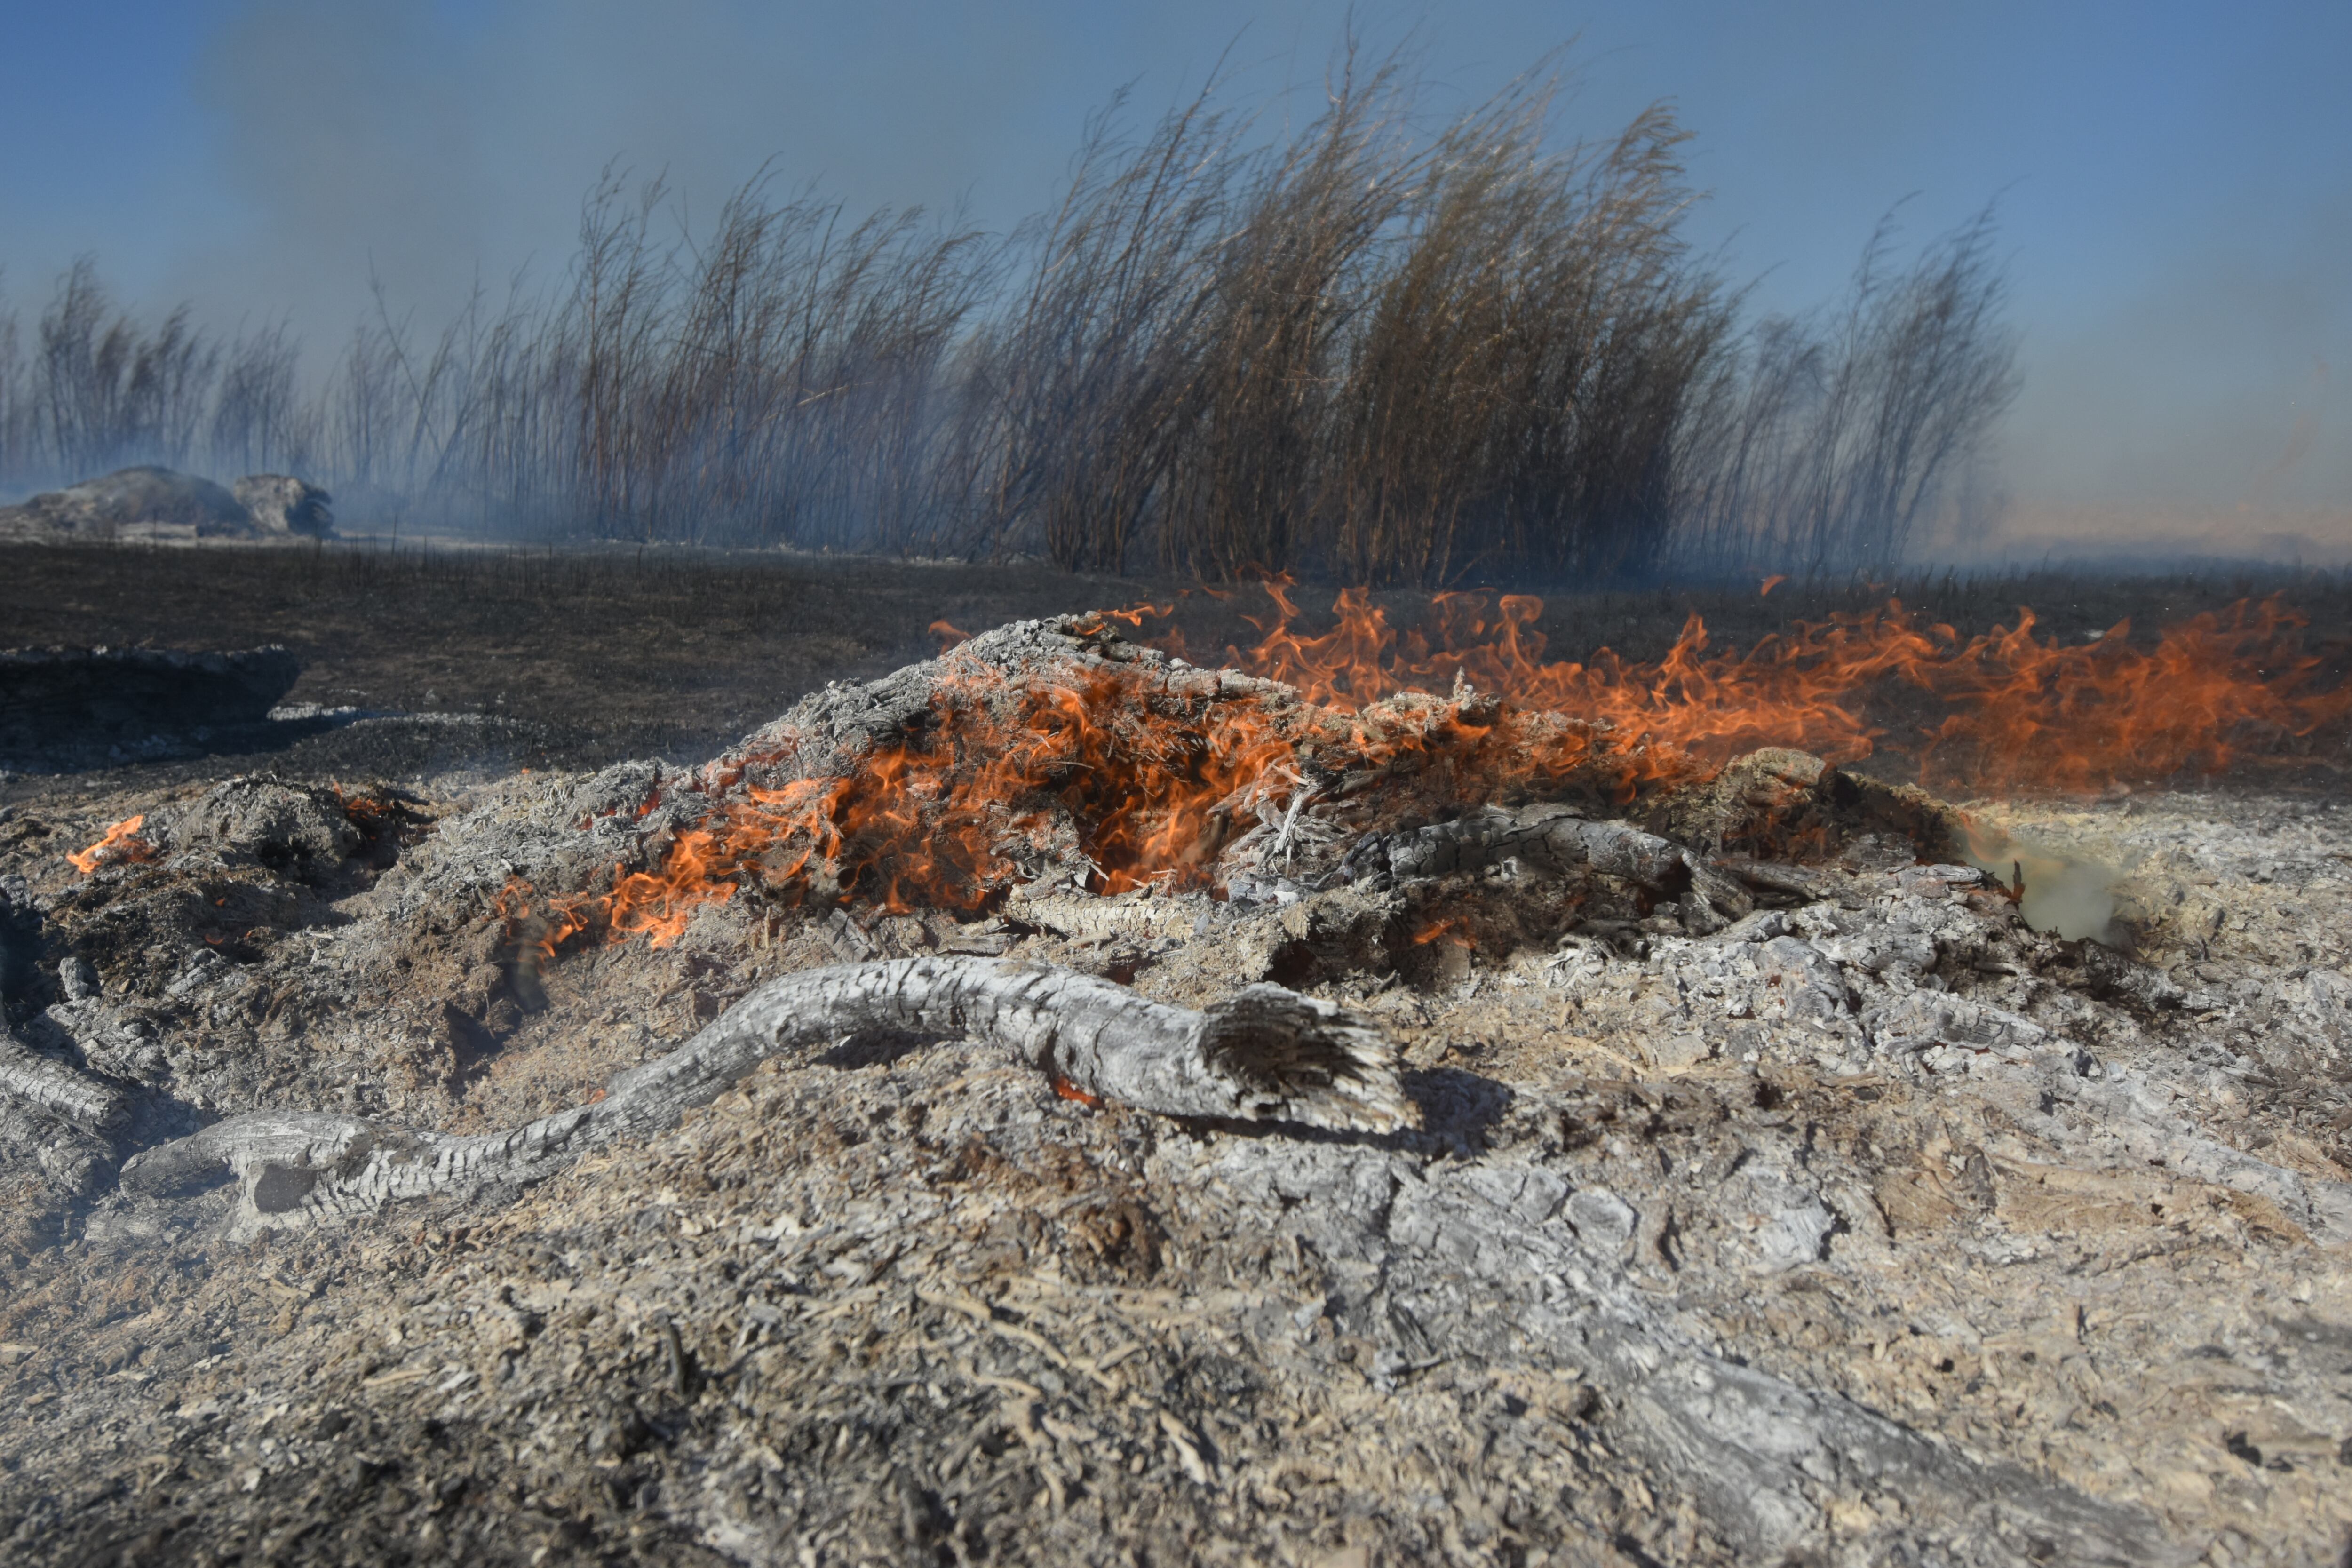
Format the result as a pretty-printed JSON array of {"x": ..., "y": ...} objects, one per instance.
[{"x": 1057, "y": 1094}]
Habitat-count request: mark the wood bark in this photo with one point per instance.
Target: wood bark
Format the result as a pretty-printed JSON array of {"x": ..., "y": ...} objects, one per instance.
[{"x": 1266, "y": 1055}]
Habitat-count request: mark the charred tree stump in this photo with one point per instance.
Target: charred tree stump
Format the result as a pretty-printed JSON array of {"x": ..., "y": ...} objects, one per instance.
[{"x": 1268, "y": 1055}]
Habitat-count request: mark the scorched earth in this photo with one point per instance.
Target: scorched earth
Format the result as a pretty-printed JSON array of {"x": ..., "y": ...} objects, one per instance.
[{"x": 1075, "y": 1106}]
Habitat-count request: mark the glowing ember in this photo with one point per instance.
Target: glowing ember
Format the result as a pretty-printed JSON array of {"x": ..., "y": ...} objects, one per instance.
[
  {"x": 120, "y": 845},
  {"x": 1451, "y": 929}
]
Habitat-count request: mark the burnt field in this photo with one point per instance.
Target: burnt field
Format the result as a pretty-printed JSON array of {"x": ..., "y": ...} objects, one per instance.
[
  {"x": 579, "y": 657},
  {"x": 1416, "y": 1097}
]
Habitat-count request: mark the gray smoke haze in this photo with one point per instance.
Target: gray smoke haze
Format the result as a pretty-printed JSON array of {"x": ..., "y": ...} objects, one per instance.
[
  {"x": 432, "y": 148},
  {"x": 2215, "y": 380},
  {"x": 2176, "y": 190}
]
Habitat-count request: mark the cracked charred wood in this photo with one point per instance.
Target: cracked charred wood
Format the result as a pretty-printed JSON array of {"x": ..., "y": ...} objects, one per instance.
[
  {"x": 1555, "y": 842},
  {"x": 1266, "y": 1055},
  {"x": 1789, "y": 882},
  {"x": 86, "y": 1101},
  {"x": 77, "y": 1160}
]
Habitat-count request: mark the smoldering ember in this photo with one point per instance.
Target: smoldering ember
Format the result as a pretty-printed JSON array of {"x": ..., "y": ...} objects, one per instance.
[{"x": 1395, "y": 1099}]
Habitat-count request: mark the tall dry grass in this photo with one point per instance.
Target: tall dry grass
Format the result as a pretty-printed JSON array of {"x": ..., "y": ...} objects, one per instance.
[
  {"x": 1370, "y": 349},
  {"x": 1827, "y": 443},
  {"x": 1383, "y": 343}
]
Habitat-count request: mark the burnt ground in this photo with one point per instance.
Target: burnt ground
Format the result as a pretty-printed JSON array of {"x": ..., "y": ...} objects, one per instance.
[
  {"x": 2080, "y": 1232},
  {"x": 566, "y": 660},
  {"x": 581, "y": 658}
]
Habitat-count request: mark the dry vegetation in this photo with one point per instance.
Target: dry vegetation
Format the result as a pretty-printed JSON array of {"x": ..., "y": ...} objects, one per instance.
[{"x": 1387, "y": 346}]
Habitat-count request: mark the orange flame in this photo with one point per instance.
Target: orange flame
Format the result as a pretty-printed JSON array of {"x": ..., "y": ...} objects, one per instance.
[
  {"x": 120, "y": 847},
  {"x": 1136, "y": 776},
  {"x": 950, "y": 820},
  {"x": 1451, "y": 928},
  {"x": 2018, "y": 711}
]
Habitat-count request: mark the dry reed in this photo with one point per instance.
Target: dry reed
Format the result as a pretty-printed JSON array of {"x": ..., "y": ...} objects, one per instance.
[{"x": 1383, "y": 346}]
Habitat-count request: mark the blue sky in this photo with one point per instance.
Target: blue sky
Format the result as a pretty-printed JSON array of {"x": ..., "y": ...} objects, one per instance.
[{"x": 2175, "y": 181}]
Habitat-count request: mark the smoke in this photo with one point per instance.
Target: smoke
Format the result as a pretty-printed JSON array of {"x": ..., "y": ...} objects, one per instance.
[
  {"x": 2306, "y": 432},
  {"x": 445, "y": 148},
  {"x": 2064, "y": 896},
  {"x": 2177, "y": 199},
  {"x": 440, "y": 149},
  {"x": 2197, "y": 419},
  {"x": 2206, "y": 385},
  {"x": 355, "y": 140}
]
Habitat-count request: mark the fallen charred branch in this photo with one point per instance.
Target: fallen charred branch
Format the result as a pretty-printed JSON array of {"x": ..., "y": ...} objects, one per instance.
[
  {"x": 1764, "y": 878},
  {"x": 1266, "y": 1055},
  {"x": 1553, "y": 839},
  {"x": 88, "y": 1102}
]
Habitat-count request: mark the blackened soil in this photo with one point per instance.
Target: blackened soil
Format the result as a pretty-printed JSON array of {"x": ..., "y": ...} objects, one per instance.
[{"x": 503, "y": 657}]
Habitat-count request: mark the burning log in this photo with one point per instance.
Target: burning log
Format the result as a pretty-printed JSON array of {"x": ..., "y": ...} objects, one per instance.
[{"x": 1266, "y": 1055}]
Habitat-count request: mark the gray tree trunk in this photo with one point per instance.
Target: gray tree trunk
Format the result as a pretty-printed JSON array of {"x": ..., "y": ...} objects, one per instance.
[{"x": 1268, "y": 1055}]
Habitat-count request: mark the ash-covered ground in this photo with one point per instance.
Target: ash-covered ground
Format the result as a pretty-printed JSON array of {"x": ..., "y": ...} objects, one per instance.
[{"x": 1864, "y": 1223}]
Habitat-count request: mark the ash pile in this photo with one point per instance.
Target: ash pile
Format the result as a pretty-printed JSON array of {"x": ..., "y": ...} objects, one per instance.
[{"x": 1060, "y": 1104}]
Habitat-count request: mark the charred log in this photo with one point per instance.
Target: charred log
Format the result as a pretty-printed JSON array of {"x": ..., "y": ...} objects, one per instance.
[
  {"x": 73, "y": 1159},
  {"x": 1765, "y": 878},
  {"x": 88, "y": 1102},
  {"x": 1266, "y": 1055},
  {"x": 1551, "y": 841}
]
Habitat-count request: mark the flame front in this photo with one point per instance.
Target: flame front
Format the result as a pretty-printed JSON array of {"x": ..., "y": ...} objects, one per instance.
[
  {"x": 1117, "y": 771},
  {"x": 2016, "y": 711}
]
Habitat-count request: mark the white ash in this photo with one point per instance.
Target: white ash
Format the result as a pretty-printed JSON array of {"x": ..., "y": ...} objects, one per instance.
[{"x": 1873, "y": 1226}]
